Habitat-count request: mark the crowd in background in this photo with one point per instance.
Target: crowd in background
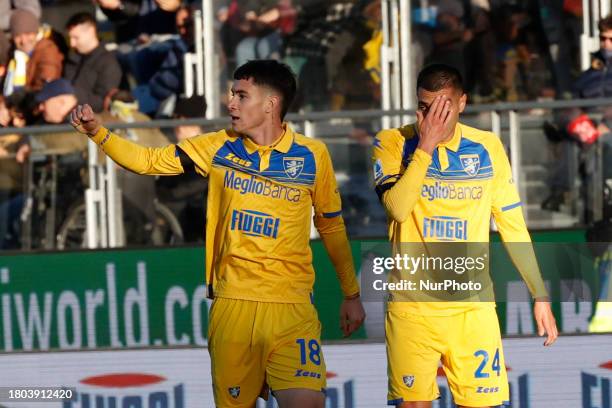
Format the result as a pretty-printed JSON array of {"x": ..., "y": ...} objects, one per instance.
[{"x": 507, "y": 50}]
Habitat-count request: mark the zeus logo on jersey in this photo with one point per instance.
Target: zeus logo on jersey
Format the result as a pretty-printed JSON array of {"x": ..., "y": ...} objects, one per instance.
[
  {"x": 237, "y": 160},
  {"x": 255, "y": 223},
  {"x": 446, "y": 191},
  {"x": 445, "y": 228}
]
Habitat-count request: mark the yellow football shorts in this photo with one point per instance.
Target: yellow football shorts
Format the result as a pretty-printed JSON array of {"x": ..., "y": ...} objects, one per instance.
[
  {"x": 256, "y": 345},
  {"x": 469, "y": 346}
]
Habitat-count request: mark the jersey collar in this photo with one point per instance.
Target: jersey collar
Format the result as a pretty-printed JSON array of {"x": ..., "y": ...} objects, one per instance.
[
  {"x": 282, "y": 145},
  {"x": 453, "y": 144}
]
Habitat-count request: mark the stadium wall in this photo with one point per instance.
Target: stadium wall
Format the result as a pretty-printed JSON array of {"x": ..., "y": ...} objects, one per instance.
[
  {"x": 575, "y": 372},
  {"x": 119, "y": 299}
]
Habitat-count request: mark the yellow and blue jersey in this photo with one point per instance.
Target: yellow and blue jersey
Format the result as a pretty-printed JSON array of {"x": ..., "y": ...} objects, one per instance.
[
  {"x": 260, "y": 201},
  {"x": 468, "y": 180},
  {"x": 259, "y": 209}
]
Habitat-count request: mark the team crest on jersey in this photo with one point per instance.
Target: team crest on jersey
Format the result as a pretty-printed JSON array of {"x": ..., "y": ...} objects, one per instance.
[
  {"x": 293, "y": 166},
  {"x": 470, "y": 163},
  {"x": 409, "y": 380},
  {"x": 234, "y": 391}
]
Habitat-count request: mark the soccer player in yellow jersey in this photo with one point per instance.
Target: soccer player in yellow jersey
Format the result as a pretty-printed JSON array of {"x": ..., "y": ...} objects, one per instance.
[
  {"x": 441, "y": 181},
  {"x": 264, "y": 180}
]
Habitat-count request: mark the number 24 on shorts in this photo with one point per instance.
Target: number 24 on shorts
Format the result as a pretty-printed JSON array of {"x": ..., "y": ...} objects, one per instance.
[
  {"x": 485, "y": 359},
  {"x": 314, "y": 351}
]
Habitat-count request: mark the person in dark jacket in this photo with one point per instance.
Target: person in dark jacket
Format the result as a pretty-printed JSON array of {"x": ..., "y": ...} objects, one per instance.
[
  {"x": 92, "y": 70},
  {"x": 596, "y": 82},
  {"x": 167, "y": 80},
  {"x": 135, "y": 17}
]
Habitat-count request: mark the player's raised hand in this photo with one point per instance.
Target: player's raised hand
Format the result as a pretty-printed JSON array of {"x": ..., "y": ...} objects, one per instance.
[
  {"x": 436, "y": 124},
  {"x": 83, "y": 119},
  {"x": 546, "y": 321},
  {"x": 352, "y": 316}
]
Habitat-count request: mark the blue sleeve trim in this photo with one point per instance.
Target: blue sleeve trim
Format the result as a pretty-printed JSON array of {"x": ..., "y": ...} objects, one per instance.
[
  {"x": 332, "y": 214},
  {"x": 395, "y": 402},
  {"x": 511, "y": 206}
]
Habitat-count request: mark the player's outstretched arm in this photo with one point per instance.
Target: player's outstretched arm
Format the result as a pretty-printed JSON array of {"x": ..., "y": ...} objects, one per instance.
[{"x": 130, "y": 155}]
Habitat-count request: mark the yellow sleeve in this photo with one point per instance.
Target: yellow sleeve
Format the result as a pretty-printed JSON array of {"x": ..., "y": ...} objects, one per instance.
[
  {"x": 333, "y": 234},
  {"x": 328, "y": 221},
  {"x": 397, "y": 192},
  {"x": 326, "y": 197},
  {"x": 508, "y": 214},
  {"x": 136, "y": 158}
]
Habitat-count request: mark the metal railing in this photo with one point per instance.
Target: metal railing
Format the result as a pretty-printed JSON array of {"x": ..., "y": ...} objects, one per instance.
[{"x": 348, "y": 135}]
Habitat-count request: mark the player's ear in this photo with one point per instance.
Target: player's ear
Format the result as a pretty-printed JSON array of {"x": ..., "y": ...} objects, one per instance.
[
  {"x": 272, "y": 103},
  {"x": 462, "y": 102}
]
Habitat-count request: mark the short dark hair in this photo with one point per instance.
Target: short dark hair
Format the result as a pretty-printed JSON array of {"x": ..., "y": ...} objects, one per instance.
[
  {"x": 80, "y": 18},
  {"x": 435, "y": 77},
  {"x": 273, "y": 74},
  {"x": 605, "y": 24}
]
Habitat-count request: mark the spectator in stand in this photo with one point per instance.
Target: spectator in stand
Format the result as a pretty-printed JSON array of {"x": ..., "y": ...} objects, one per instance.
[
  {"x": 450, "y": 35},
  {"x": 14, "y": 150},
  {"x": 480, "y": 51},
  {"x": 261, "y": 25},
  {"x": 554, "y": 27},
  {"x": 168, "y": 80},
  {"x": 92, "y": 70},
  {"x": 135, "y": 17},
  {"x": 231, "y": 33},
  {"x": 509, "y": 51},
  {"x": 43, "y": 59},
  {"x": 55, "y": 101},
  {"x": 7, "y": 7},
  {"x": 36, "y": 59},
  {"x": 317, "y": 27},
  {"x": 575, "y": 125},
  {"x": 5, "y": 47}
]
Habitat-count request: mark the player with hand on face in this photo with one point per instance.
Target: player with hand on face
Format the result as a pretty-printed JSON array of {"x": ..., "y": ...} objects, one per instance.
[{"x": 439, "y": 152}]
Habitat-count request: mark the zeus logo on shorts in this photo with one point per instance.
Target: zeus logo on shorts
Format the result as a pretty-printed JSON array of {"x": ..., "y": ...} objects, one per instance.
[
  {"x": 255, "y": 223},
  {"x": 445, "y": 228},
  {"x": 304, "y": 373}
]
